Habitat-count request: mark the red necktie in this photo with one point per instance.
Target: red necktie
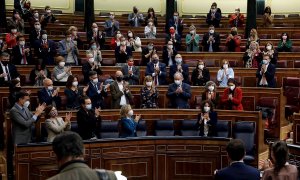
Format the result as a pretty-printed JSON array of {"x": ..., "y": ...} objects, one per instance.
[{"x": 24, "y": 56}]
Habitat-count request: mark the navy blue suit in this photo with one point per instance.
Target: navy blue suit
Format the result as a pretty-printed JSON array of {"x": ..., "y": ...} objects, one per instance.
[
  {"x": 44, "y": 97},
  {"x": 269, "y": 74},
  {"x": 178, "y": 27},
  {"x": 163, "y": 73},
  {"x": 128, "y": 128},
  {"x": 185, "y": 72},
  {"x": 180, "y": 100},
  {"x": 96, "y": 98},
  {"x": 122, "y": 57},
  {"x": 46, "y": 52},
  {"x": 238, "y": 171}
]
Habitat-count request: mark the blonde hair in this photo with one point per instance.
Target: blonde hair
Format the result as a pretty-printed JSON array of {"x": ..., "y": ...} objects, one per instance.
[
  {"x": 59, "y": 59},
  {"x": 124, "y": 110},
  {"x": 149, "y": 78},
  {"x": 73, "y": 28}
]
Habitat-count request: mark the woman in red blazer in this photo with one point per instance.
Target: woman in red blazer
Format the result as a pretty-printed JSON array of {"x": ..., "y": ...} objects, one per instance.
[{"x": 232, "y": 96}]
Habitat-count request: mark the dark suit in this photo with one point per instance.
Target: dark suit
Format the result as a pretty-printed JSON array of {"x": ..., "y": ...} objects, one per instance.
[
  {"x": 161, "y": 76},
  {"x": 17, "y": 55},
  {"x": 47, "y": 52},
  {"x": 215, "y": 45},
  {"x": 213, "y": 116},
  {"x": 86, "y": 68},
  {"x": 116, "y": 95},
  {"x": 145, "y": 60},
  {"x": 269, "y": 74},
  {"x": 238, "y": 171},
  {"x": 99, "y": 38},
  {"x": 96, "y": 95},
  {"x": 177, "y": 38},
  {"x": 33, "y": 36},
  {"x": 122, "y": 57},
  {"x": 185, "y": 72},
  {"x": 181, "y": 100},
  {"x": 133, "y": 79},
  {"x": 13, "y": 72},
  {"x": 166, "y": 56},
  {"x": 44, "y": 97},
  {"x": 87, "y": 123},
  {"x": 200, "y": 81},
  {"x": 216, "y": 21},
  {"x": 128, "y": 128},
  {"x": 178, "y": 27},
  {"x": 111, "y": 29}
]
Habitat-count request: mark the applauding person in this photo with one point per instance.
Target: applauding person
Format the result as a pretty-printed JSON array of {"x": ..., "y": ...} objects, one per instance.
[
  {"x": 232, "y": 97},
  {"x": 200, "y": 74},
  {"x": 207, "y": 119},
  {"x": 266, "y": 73},
  {"x": 128, "y": 123},
  {"x": 224, "y": 74},
  {"x": 157, "y": 70},
  {"x": 149, "y": 94}
]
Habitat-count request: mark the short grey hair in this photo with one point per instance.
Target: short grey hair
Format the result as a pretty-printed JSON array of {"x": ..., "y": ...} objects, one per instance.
[
  {"x": 178, "y": 74},
  {"x": 4, "y": 54}
]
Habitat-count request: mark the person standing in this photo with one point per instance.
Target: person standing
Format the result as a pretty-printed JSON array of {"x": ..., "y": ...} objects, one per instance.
[
  {"x": 211, "y": 40},
  {"x": 111, "y": 25}
]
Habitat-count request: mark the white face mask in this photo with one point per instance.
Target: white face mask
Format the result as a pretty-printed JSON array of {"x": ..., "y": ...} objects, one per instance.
[
  {"x": 130, "y": 112},
  {"x": 130, "y": 34},
  {"x": 95, "y": 29},
  {"x": 232, "y": 87},
  {"x": 26, "y": 104},
  {"x": 192, "y": 32},
  {"x": 206, "y": 109},
  {"x": 178, "y": 60},
  {"x": 13, "y": 30},
  {"x": 269, "y": 47},
  {"x": 69, "y": 39},
  {"x": 284, "y": 37},
  {"x": 61, "y": 64},
  {"x": 149, "y": 83},
  {"x": 37, "y": 27},
  {"x": 50, "y": 88},
  {"x": 201, "y": 66},
  {"x": 95, "y": 81},
  {"x": 48, "y": 11},
  {"x": 88, "y": 107},
  {"x": 75, "y": 83},
  {"x": 211, "y": 31},
  {"x": 211, "y": 88},
  {"x": 170, "y": 46},
  {"x": 119, "y": 35},
  {"x": 91, "y": 60},
  {"x": 265, "y": 61},
  {"x": 225, "y": 66},
  {"x": 178, "y": 82},
  {"x": 36, "y": 15},
  {"x": 22, "y": 43},
  {"x": 44, "y": 36}
]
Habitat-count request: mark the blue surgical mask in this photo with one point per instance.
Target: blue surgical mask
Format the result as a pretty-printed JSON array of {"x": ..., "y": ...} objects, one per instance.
[
  {"x": 88, "y": 107},
  {"x": 94, "y": 47}
]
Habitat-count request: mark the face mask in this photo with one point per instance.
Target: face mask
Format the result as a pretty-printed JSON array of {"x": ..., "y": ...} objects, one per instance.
[
  {"x": 123, "y": 43},
  {"x": 225, "y": 66},
  {"x": 170, "y": 46},
  {"x": 91, "y": 60},
  {"x": 94, "y": 47},
  {"x": 118, "y": 43},
  {"x": 26, "y": 104},
  {"x": 88, "y": 107},
  {"x": 61, "y": 64},
  {"x": 284, "y": 37},
  {"x": 69, "y": 39},
  {"x": 53, "y": 113},
  {"x": 22, "y": 43},
  {"x": 95, "y": 81},
  {"x": 201, "y": 66},
  {"x": 265, "y": 61},
  {"x": 75, "y": 83},
  {"x": 135, "y": 11},
  {"x": 178, "y": 82},
  {"x": 118, "y": 35},
  {"x": 150, "y": 24},
  {"x": 149, "y": 83},
  {"x": 206, "y": 109},
  {"x": 130, "y": 63},
  {"x": 37, "y": 27},
  {"x": 178, "y": 60},
  {"x": 175, "y": 17},
  {"x": 232, "y": 87},
  {"x": 4, "y": 63},
  {"x": 48, "y": 11},
  {"x": 150, "y": 47},
  {"x": 50, "y": 88},
  {"x": 172, "y": 31},
  {"x": 95, "y": 29},
  {"x": 44, "y": 36},
  {"x": 130, "y": 112},
  {"x": 237, "y": 12},
  {"x": 269, "y": 48},
  {"x": 17, "y": 16},
  {"x": 119, "y": 78},
  {"x": 211, "y": 88},
  {"x": 36, "y": 15},
  {"x": 14, "y": 31},
  {"x": 154, "y": 61},
  {"x": 233, "y": 33},
  {"x": 130, "y": 34},
  {"x": 211, "y": 31},
  {"x": 213, "y": 10},
  {"x": 112, "y": 16},
  {"x": 192, "y": 32}
]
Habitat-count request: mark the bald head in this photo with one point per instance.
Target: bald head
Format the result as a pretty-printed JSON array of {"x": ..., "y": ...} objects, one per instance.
[{"x": 119, "y": 73}]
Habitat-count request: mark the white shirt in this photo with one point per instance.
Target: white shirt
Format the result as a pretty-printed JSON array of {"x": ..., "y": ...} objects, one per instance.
[
  {"x": 153, "y": 74},
  {"x": 4, "y": 71},
  {"x": 21, "y": 51},
  {"x": 123, "y": 98},
  {"x": 261, "y": 81}
]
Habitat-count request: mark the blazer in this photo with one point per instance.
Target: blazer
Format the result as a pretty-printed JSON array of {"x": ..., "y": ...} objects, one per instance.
[
  {"x": 86, "y": 68},
  {"x": 122, "y": 57},
  {"x": 128, "y": 128},
  {"x": 163, "y": 73},
  {"x": 73, "y": 98},
  {"x": 216, "y": 21},
  {"x": 236, "y": 102},
  {"x": 87, "y": 123},
  {"x": 215, "y": 45},
  {"x": 21, "y": 124},
  {"x": 180, "y": 101},
  {"x": 99, "y": 38},
  {"x": 185, "y": 72},
  {"x": 192, "y": 45},
  {"x": 62, "y": 50},
  {"x": 166, "y": 56},
  {"x": 13, "y": 72},
  {"x": 44, "y": 97},
  {"x": 240, "y": 23},
  {"x": 33, "y": 36},
  {"x": 234, "y": 45},
  {"x": 202, "y": 81},
  {"x": 238, "y": 171},
  {"x": 289, "y": 172},
  {"x": 96, "y": 98},
  {"x": 178, "y": 27},
  {"x": 213, "y": 116},
  {"x": 133, "y": 79},
  {"x": 176, "y": 41},
  {"x": 139, "y": 21},
  {"x": 116, "y": 95},
  {"x": 55, "y": 127},
  {"x": 17, "y": 56},
  {"x": 46, "y": 53},
  {"x": 269, "y": 74},
  {"x": 111, "y": 29}
]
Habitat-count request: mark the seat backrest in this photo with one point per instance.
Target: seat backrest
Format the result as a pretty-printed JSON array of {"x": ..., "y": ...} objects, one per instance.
[
  {"x": 223, "y": 129},
  {"x": 109, "y": 129},
  {"x": 164, "y": 128},
  {"x": 44, "y": 133},
  {"x": 246, "y": 132},
  {"x": 281, "y": 64},
  {"x": 267, "y": 106},
  {"x": 198, "y": 101},
  {"x": 189, "y": 128},
  {"x": 141, "y": 128},
  {"x": 74, "y": 127}
]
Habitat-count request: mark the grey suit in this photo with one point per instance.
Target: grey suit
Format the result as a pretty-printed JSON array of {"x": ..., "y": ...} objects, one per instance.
[
  {"x": 21, "y": 124},
  {"x": 133, "y": 79},
  {"x": 116, "y": 95}
]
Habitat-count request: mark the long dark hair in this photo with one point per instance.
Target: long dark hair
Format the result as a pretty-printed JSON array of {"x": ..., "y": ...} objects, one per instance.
[
  {"x": 70, "y": 80},
  {"x": 280, "y": 153}
]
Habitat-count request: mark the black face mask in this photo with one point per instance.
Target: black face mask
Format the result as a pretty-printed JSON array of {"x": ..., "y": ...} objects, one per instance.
[
  {"x": 18, "y": 88},
  {"x": 135, "y": 11},
  {"x": 233, "y": 33},
  {"x": 154, "y": 61},
  {"x": 5, "y": 63},
  {"x": 119, "y": 78}
]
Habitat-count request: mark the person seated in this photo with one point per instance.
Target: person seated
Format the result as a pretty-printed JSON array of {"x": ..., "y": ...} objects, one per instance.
[
  {"x": 14, "y": 89},
  {"x": 211, "y": 40},
  {"x": 285, "y": 44},
  {"x": 232, "y": 97},
  {"x": 236, "y": 152},
  {"x": 35, "y": 33},
  {"x": 96, "y": 35},
  {"x": 48, "y": 17},
  {"x": 192, "y": 40},
  {"x": 200, "y": 74},
  {"x": 210, "y": 93},
  {"x": 75, "y": 37},
  {"x": 151, "y": 16},
  {"x": 49, "y": 95},
  {"x": 267, "y": 17},
  {"x": 237, "y": 19},
  {"x": 157, "y": 70},
  {"x": 253, "y": 36},
  {"x": 176, "y": 23},
  {"x": 73, "y": 93},
  {"x": 147, "y": 53},
  {"x": 128, "y": 124},
  {"x": 131, "y": 72},
  {"x": 8, "y": 71},
  {"x": 179, "y": 67},
  {"x": 68, "y": 49},
  {"x": 11, "y": 37},
  {"x": 90, "y": 65},
  {"x": 21, "y": 54},
  {"x": 270, "y": 50},
  {"x": 54, "y": 124},
  {"x": 34, "y": 18},
  {"x": 266, "y": 73},
  {"x": 169, "y": 53},
  {"x": 16, "y": 21},
  {"x": 213, "y": 17},
  {"x": 45, "y": 49},
  {"x": 253, "y": 56},
  {"x": 95, "y": 52},
  {"x": 233, "y": 41},
  {"x": 39, "y": 73},
  {"x": 61, "y": 72},
  {"x": 120, "y": 92},
  {"x": 207, "y": 119},
  {"x": 149, "y": 94},
  {"x": 134, "y": 42},
  {"x": 278, "y": 167},
  {"x": 116, "y": 40},
  {"x": 150, "y": 30},
  {"x": 175, "y": 38},
  {"x": 111, "y": 25},
  {"x": 179, "y": 93},
  {"x": 135, "y": 19},
  {"x": 3, "y": 46},
  {"x": 122, "y": 52},
  {"x": 96, "y": 91},
  {"x": 88, "y": 119},
  {"x": 224, "y": 73}
]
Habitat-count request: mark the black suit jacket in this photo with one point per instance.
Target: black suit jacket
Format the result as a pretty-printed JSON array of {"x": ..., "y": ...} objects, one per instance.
[
  {"x": 33, "y": 36},
  {"x": 44, "y": 97},
  {"x": 12, "y": 71},
  {"x": 17, "y": 56},
  {"x": 269, "y": 74},
  {"x": 215, "y": 45},
  {"x": 122, "y": 57},
  {"x": 47, "y": 54},
  {"x": 100, "y": 39},
  {"x": 213, "y": 116},
  {"x": 166, "y": 56},
  {"x": 185, "y": 72},
  {"x": 179, "y": 26},
  {"x": 133, "y": 79},
  {"x": 96, "y": 98},
  {"x": 86, "y": 68},
  {"x": 87, "y": 123},
  {"x": 179, "y": 100},
  {"x": 238, "y": 170}
]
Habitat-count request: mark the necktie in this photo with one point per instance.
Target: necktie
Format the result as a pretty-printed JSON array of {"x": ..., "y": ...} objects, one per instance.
[
  {"x": 96, "y": 87},
  {"x": 24, "y": 56},
  {"x": 24, "y": 112},
  {"x": 7, "y": 72},
  {"x": 50, "y": 93},
  {"x": 155, "y": 78}
]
